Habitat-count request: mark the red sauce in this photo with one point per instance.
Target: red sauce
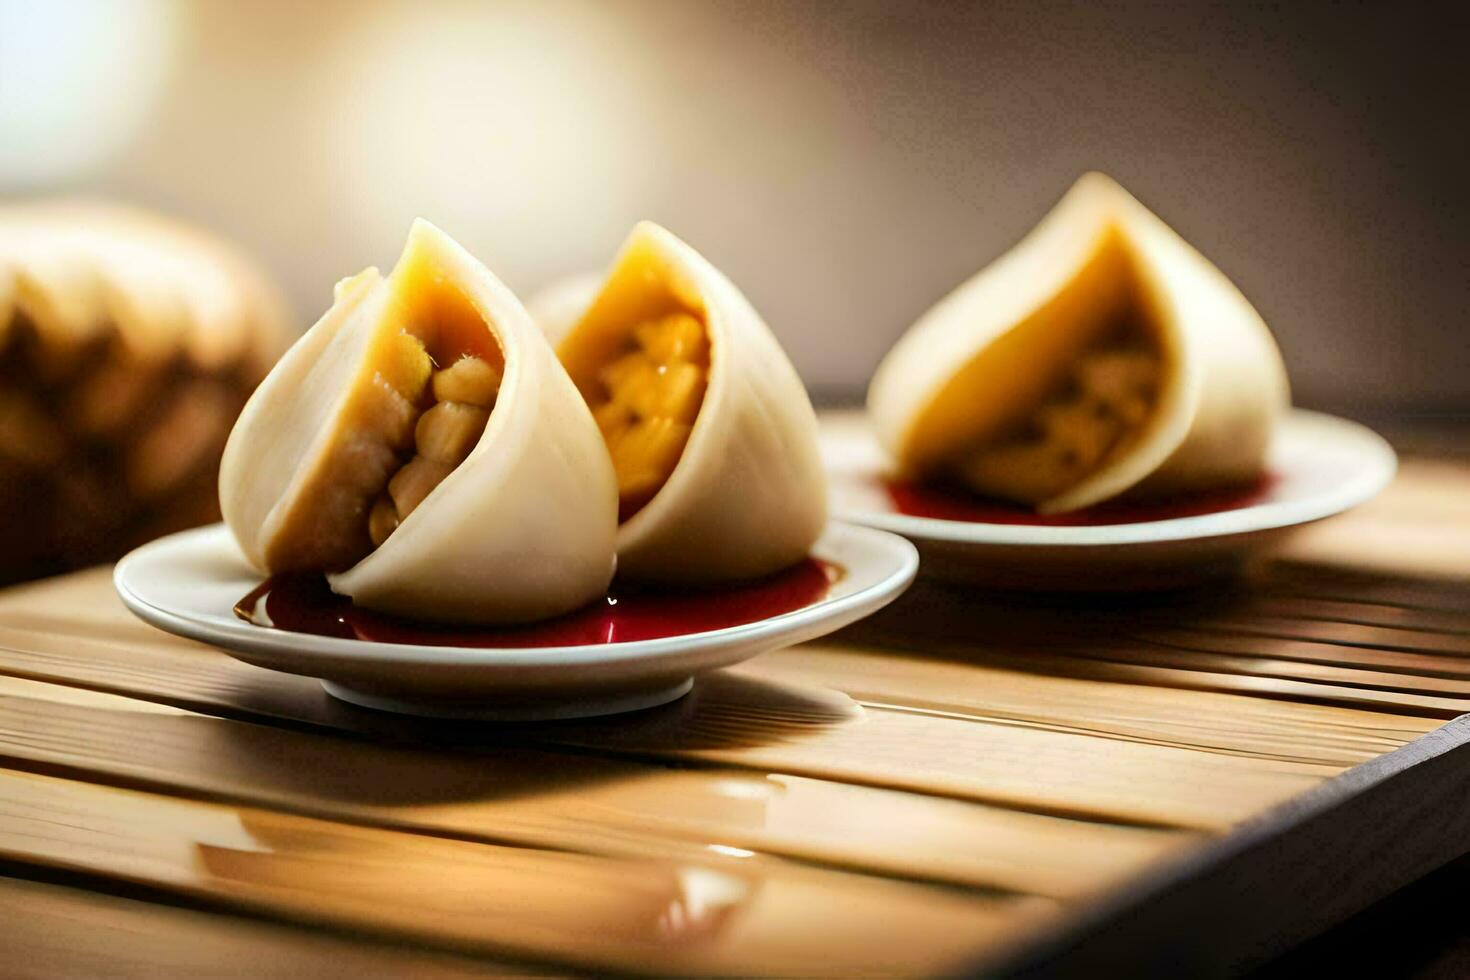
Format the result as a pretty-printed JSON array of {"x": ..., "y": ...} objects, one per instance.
[
  {"x": 951, "y": 503},
  {"x": 304, "y": 604}
]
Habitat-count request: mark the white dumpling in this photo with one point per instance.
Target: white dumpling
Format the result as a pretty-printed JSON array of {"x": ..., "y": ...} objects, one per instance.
[
  {"x": 711, "y": 432},
  {"x": 422, "y": 444}
]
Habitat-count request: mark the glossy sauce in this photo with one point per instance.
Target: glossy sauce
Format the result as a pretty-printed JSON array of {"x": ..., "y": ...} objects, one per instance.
[
  {"x": 305, "y": 604},
  {"x": 952, "y": 503}
]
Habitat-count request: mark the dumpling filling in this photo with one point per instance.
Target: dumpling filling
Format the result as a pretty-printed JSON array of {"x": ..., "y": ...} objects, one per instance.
[
  {"x": 404, "y": 426},
  {"x": 645, "y": 402},
  {"x": 462, "y": 396},
  {"x": 1094, "y": 416}
]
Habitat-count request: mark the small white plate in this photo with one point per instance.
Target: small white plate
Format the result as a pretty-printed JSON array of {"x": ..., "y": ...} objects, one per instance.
[
  {"x": 1321, "y": 465},
  {"x": 188, "y": 584}
]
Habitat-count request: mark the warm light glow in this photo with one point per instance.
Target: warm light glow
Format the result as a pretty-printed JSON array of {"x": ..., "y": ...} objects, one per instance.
[
  {"x": 78, "y": 79},
  {"x": 510, "y": 122}
]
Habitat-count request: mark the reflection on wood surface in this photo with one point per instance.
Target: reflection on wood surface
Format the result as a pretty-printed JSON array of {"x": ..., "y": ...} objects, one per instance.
[
  {"x": 583, "y": 803},
  {"x": 544, "y": 904}
]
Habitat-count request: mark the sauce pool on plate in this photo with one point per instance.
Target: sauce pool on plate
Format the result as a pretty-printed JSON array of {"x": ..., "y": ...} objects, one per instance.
[
  {"x": 305, "y": 604},
  {"x": 948, "y": 503}
]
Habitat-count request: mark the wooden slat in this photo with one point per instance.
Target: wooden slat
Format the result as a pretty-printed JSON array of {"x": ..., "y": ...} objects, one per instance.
[
  {"x": 1381, "y": 681},
  {"x": 52, "y": 932},
  {"x": 914, "y": 681},
  {"x": 1013, "y": 765},
  {"x": 1233, "y": 676},
  {"x": 743, "y": 720},
  {"x": 569, "y": 802},
  {"x": 1306, "y": 579},
  {"x": 1194, "y": 720},
  {"x": 591, "y": 912},
  {"x": 1260, "y": 626},
  {"x": 1029, "y": 633},
  {"x": 1335, "y": 610},
  {"x": 1313, "y": 651}
]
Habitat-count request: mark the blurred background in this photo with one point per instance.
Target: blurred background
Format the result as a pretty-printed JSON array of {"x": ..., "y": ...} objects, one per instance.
[{"x": 845, "y": 163}]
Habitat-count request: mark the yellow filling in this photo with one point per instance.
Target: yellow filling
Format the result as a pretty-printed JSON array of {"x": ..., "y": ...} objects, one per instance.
[
  {"x": 646, "y": 401},
  {"x": 1099, "y": 412},
  {"x": 324, "y": 531},
  {"x": 463, "y": 395}
]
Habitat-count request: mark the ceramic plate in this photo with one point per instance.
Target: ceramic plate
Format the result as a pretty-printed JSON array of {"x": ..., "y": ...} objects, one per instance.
[
  {"x": 1318, "y": 466},
  {"x": 189, "y": 583}
]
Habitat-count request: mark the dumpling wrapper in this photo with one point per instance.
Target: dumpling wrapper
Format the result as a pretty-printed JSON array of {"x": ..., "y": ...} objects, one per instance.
[
  {"x": 987, "y": 354},
  {"x": 521, "y": 530},
  {"x": 747, "y": 496}
]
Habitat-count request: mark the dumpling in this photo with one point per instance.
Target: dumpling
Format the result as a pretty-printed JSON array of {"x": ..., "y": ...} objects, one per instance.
[
  {"x": 422, "y": 445},
  {"x": 1101, "y": 356},
  {"x": 711, "y": 434}
]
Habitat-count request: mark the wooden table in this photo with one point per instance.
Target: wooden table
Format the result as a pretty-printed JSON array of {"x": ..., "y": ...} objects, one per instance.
[{"x": 961, "y": 782}]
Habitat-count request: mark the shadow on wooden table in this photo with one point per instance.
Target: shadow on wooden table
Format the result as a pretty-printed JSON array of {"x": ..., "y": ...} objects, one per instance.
[
  {"x": 950, "y": 619},
  {"x": 725, "y": 710}
]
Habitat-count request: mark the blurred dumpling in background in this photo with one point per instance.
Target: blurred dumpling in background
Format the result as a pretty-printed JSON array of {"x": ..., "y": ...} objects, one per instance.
[
  {"x": 1101, "y": 356},
  {"x": 128, "y": 344}
]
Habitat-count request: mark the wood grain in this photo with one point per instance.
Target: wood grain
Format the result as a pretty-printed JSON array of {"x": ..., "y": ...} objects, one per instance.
[
  {"x": 741, "y": 719},
  {"x": 1294, "y": 604},
  {"x": 52, "y": 931},
  {"x": 524, "y": 903},
  {"x": 1386, "y": 683},
  {"x": 1182, "y": 719},
  {"x": 1044, "y": 635},
  {"x": 577, "y": 803},
  {"x": 1343, "y": 582},
  {"x": 1264, "y": 626},
  {"x": 1232, "y": 675},
  {"x": 1312, "y": 651}
]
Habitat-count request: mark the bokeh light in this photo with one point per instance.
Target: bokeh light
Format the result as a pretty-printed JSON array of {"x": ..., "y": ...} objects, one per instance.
[{"x": 77, "y": 81}]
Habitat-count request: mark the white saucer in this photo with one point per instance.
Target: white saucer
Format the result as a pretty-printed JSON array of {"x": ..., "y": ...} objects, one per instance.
[
  {"x": 1322, "y": 466},
  {"x": 188, "y": 584}
]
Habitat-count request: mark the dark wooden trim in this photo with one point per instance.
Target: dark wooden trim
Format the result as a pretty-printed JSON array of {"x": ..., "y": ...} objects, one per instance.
[{"x": 1275, "y": 881}]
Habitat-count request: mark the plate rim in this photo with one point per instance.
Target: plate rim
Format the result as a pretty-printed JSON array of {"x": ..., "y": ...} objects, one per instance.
[
  {"x": 277, "y": 643},
  {"x": 1380, "y": 463}
]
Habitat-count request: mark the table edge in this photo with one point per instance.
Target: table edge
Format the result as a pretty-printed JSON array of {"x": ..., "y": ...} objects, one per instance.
[{"x": 1274, "y": 881}]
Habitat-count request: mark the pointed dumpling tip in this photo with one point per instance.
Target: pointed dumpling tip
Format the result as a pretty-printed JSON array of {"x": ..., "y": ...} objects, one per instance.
[
  {"x": 647, "y": 227},
  {"x": 1097, "y": 180}
]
